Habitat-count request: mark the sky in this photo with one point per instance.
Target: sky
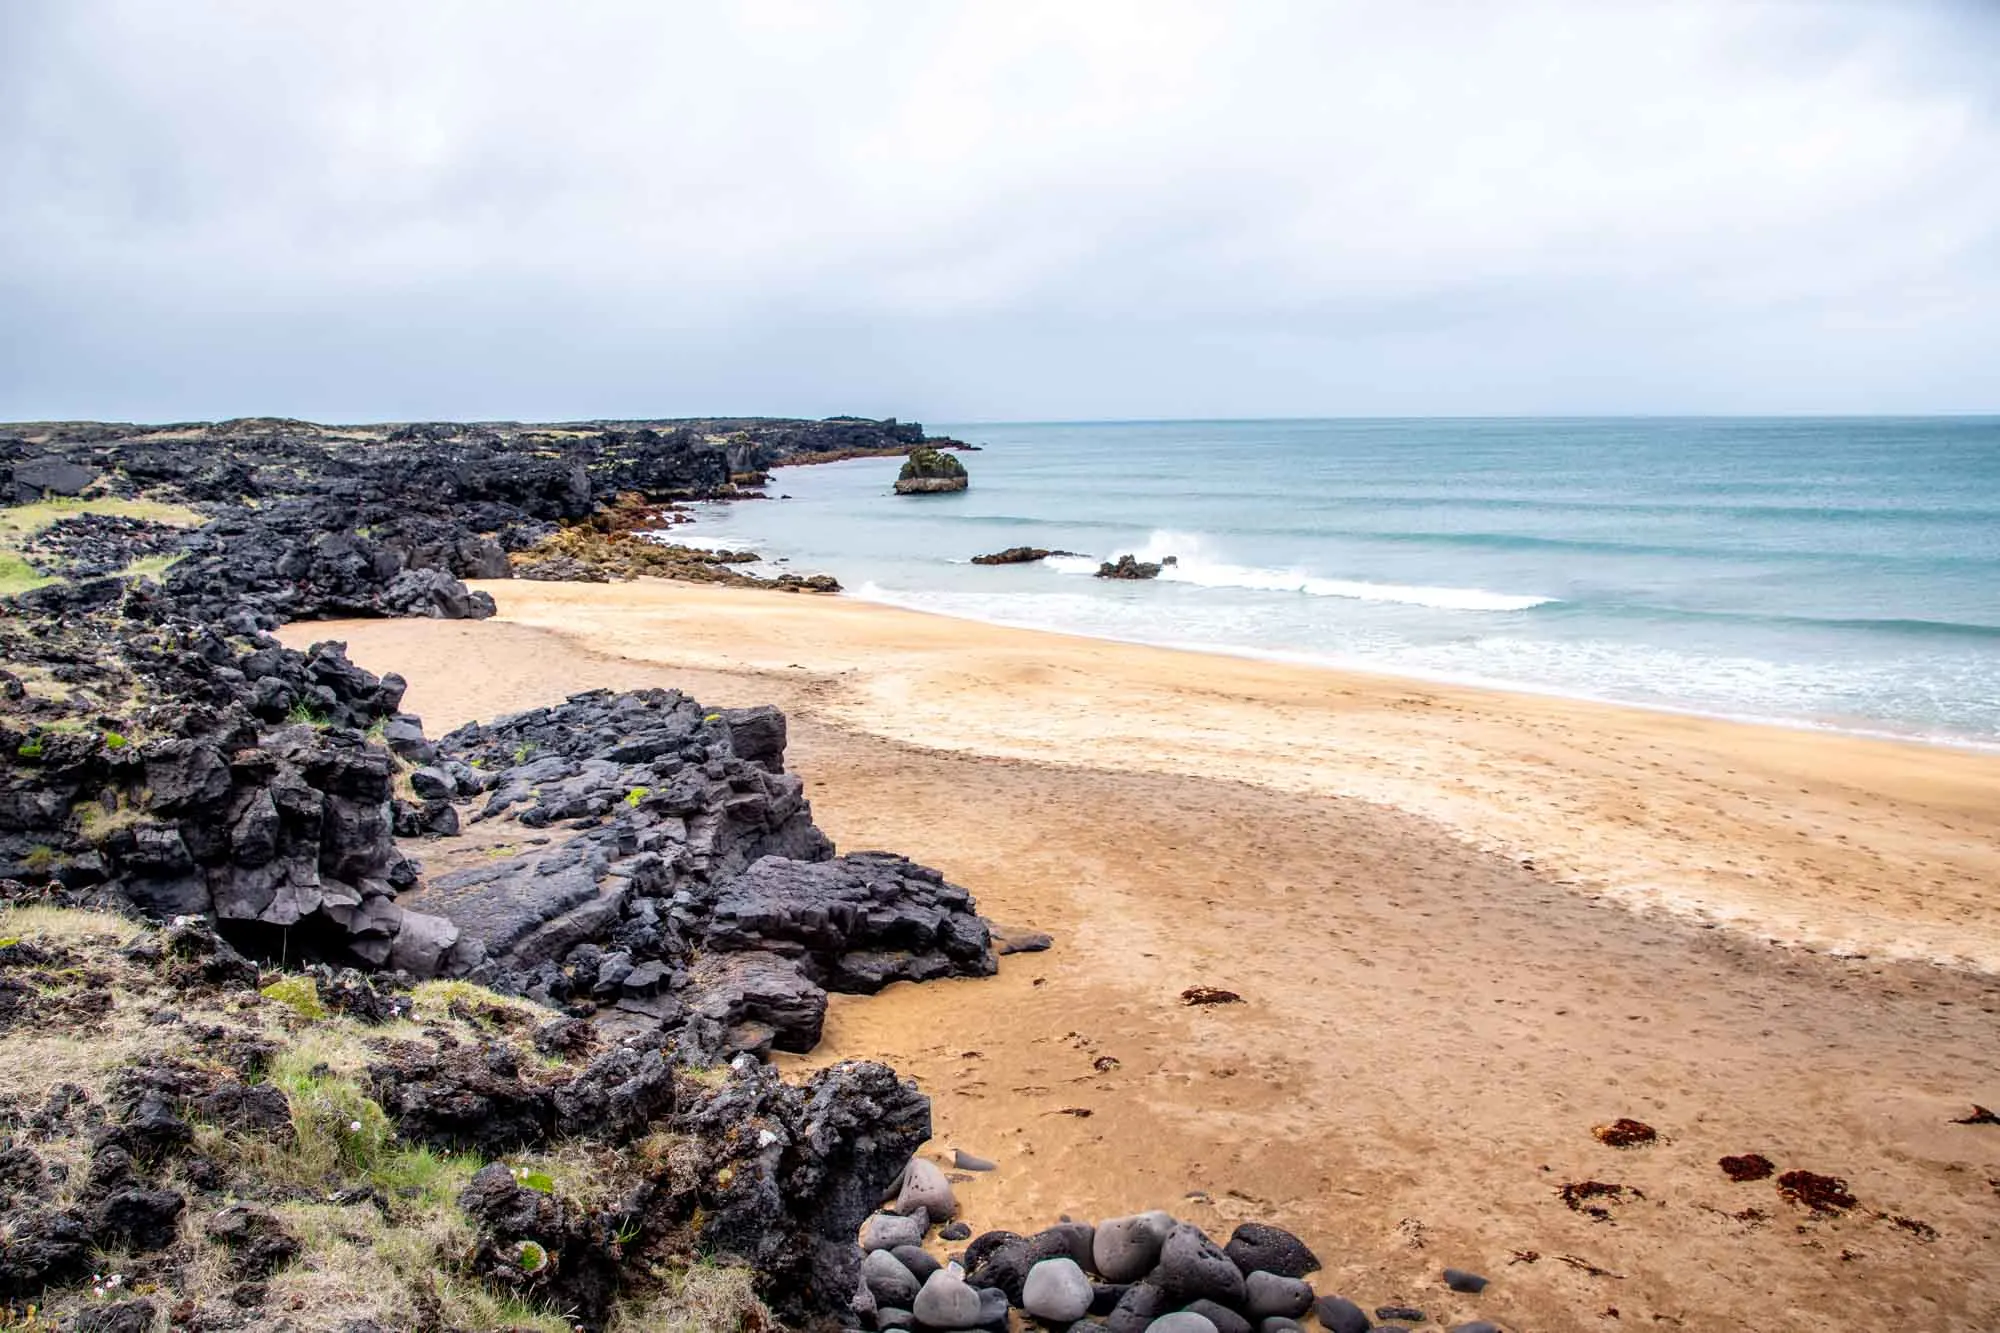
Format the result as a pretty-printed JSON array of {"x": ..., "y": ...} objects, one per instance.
[{"x": 406, "y": 209}]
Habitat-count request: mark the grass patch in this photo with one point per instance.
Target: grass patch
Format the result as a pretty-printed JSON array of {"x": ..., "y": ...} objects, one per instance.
[
  {"x": 304, "y": 714},
  {"x": 425, "y": 1175},
  {"x": 434, "y": 1000},
  {"x": 19, "y": 522},
  {"x": 702, "y": 1298},
  {"x": 67, "y": 925},
  {"x": 98, "y": 824},
  {"x": 361, "y": 1266},
  {"x": 18, "y": 576},
  {"x": 149, "y": 567},
  {"x": 341, "y": 1132}
]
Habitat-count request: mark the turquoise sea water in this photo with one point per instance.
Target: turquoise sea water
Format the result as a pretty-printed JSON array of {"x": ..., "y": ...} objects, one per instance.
[{"x": 1841, "y": 572}]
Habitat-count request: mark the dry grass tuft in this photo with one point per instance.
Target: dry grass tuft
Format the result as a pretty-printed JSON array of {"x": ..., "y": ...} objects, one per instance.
[
  {"x": 67, "y": 925},
  {"x": 703, "y": 1298},
  {"x": 434, "y": 1000}
]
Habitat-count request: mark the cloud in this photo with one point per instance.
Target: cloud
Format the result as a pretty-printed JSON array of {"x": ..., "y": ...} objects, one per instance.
[{"x": 996, "y": 210}]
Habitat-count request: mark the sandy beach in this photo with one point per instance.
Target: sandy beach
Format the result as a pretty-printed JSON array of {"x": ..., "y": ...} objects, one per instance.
[{"x": 1466, "y": 927}]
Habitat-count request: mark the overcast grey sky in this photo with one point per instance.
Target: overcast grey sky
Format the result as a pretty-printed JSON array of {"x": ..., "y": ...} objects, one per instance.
[{"x": 1013, "y": 210}]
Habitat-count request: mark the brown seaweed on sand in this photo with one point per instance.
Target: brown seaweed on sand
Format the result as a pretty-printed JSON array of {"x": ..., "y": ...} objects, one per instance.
[
  {"x": 1625, "y": 1132},
  {"x": 1923, "y": 1231},
  {"x": 1980, "y": 1116},
  {"x": 1578, "y": 1194},
  {"x": 1750, "y": 1166},
  {"x": 1209, "y": 995},
  {"x": 1585, "y": 1266},
  {"x": 1822, "y": 1194}
]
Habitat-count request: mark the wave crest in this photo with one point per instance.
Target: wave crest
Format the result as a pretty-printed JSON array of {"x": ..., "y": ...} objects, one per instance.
[{"x": 1194, "y": 566}]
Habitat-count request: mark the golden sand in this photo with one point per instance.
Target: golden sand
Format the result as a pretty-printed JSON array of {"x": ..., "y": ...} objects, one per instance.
[{"x": 1467, "y": 926}]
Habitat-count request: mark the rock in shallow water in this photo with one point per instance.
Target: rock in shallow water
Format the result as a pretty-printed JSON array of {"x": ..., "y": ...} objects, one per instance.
[{"x": 1056, "y": 1290}]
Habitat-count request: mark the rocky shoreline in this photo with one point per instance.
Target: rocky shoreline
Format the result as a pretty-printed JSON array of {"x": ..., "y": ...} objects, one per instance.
[{"x": 312, "y": 861}]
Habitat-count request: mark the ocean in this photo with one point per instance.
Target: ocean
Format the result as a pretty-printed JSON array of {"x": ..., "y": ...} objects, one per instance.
[{"x": 1841, "y": 573}]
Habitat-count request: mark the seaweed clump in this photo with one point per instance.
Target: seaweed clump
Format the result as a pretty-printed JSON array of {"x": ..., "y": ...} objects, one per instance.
[
  {"x": 1626, "y": 1132},
  {"x": 1579, "y": 1193},
  {"x": 1822, "y": 1194},
  {"x": 1750, "y": 1166}
]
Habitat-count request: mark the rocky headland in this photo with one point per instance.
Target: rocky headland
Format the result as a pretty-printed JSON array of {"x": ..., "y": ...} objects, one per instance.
[{"x": 164, "y": 760}]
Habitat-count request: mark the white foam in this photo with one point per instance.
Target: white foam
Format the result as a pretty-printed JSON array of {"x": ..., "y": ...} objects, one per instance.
[{"x": 1194, "y": 565}]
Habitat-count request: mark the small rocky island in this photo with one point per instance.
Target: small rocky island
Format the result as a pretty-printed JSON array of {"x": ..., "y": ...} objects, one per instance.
[
  {"x": 1131, "y": 567},
  {"x": 1018, "y": 555},
  {"x": 928, "y": 472}
]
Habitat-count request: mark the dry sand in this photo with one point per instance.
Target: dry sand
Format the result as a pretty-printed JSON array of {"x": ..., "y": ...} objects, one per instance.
[{"x": 1430, "y": 1025}]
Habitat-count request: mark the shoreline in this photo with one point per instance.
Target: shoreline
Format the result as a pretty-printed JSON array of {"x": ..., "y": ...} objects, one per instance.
[{"x": 1861, "y": 728}]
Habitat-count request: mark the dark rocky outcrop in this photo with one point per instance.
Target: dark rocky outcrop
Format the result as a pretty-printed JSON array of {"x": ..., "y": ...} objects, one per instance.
[
  {"x": 1131, "y": 567},
  {"x": 91, "y": 545},
  {"x": 665, "y": 896},
  {"x": 693, "y": 894},
  {"x": 1018, "y": 555},
  {"x": 623, "y": 1165},
  {"x": 52, "y": 474},
  {"x": 929, "y": 472}
]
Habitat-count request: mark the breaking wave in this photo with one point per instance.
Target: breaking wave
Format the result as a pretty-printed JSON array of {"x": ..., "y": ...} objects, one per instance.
[{"x": 1194, "y": 566}]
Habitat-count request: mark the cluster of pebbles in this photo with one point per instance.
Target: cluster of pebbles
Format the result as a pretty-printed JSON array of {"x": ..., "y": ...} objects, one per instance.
[{"x": 1147, "y": 1273}]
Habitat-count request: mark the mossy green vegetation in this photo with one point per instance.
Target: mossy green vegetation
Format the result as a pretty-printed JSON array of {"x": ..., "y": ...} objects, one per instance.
[
  {"x": 377, "y": 1218},
  {"x": 149, "y": 567},
  {"x": 18, "y": 523},
  {"x": 18, "y": 576},
  {"x": 928, "y": 462},
  {"x": 299, "y": 994}
]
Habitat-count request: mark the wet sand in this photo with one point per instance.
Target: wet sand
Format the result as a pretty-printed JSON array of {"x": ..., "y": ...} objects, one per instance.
[{"x": 1429, "y": 1027}]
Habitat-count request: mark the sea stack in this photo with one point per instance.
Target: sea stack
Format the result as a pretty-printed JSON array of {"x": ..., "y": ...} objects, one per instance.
[{"x": 928, "y": 472}]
